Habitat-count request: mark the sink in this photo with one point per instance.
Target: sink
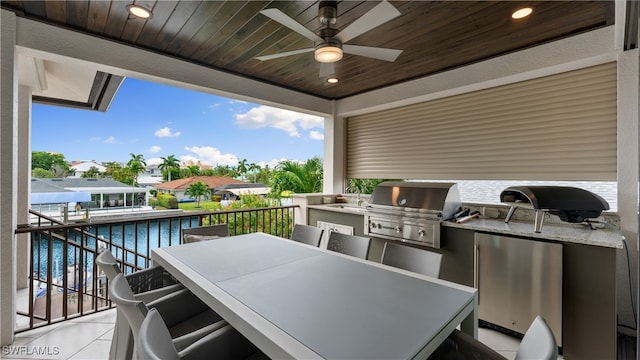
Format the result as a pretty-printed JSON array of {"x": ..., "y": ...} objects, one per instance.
[{"x": 347, "y": 207}]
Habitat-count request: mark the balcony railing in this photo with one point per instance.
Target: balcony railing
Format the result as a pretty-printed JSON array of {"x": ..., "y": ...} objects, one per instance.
[{"x": 64, "y": 282}]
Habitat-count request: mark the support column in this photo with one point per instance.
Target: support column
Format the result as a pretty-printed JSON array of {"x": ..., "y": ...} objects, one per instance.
[
  {"x": 24, "y": 187},
  {"x": 8, "y": 175},
  {"x": 334, "y": 163},
  {"x": 628, "y": 176}
]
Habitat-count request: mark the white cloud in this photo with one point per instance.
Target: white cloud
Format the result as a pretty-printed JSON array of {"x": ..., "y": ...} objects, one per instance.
[
  {"x": 285, "y": 120},
  {"x": 209, "y": 155},
  {"x": 316, "y": 135},
  {"x": 166, "y": 132},
  {"x": 154, "y": 149},
  {"x": 154, "y": 161},
  {"x": 109, "y": 140}
]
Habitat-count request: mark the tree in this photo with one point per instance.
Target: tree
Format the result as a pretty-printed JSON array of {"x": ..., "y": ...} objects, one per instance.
[
  {"x": 225, "y": 170},
  {"x": 194, "y": 170},
  {"x": 196, "y": 191},
  {"x": 255, "y": 169},
  {"x": 92, "y": 172},
  {"x": 41, "y": 173},
  {"x": 242, "y": 168},
  {"x": 136, "y": 165},
  {"x": 296, "y": 177},
  {"x": 169, "y": 164},
  {"x": 55, "y": 163}
]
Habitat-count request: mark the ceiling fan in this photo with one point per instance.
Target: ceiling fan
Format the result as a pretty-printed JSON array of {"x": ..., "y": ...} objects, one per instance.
[{"x": 329, "y": 43}]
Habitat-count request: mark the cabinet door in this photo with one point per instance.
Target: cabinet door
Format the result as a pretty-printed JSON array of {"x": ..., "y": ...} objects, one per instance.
[{"x": 519, "y": 279}]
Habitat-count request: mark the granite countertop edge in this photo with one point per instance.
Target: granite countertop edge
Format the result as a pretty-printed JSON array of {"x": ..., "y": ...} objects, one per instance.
[{"x": 567, "y": 233}]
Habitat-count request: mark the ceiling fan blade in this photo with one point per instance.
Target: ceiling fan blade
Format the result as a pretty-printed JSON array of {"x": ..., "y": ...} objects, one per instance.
[
  {"x": 326, "y": 69},
  {"x": 372, "y": 52},
  {"x": 284, "y": 54},
  {"x": 375, "y": 17},
  {"x": 284, "y": 19}
]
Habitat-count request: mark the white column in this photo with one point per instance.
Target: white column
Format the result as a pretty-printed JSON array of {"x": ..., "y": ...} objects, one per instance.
[
  {"x": 334, "y": 165},
  {"x": 24, "y": 186},
  {"x": 8, "y": 174},
  {"x": 628, "y": 176}
]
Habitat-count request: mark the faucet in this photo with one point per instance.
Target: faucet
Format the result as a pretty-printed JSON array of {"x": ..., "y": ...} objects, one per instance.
[{"x": 358, "y": 199}]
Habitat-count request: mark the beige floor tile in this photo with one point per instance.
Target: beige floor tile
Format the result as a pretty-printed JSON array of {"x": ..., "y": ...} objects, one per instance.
[
  {"x": 62, "y": 343},
  {"x": 97, "y": 350}
]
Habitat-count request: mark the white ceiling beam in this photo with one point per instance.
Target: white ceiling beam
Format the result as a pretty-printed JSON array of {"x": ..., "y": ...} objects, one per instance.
[{"x": 48, "y": 42}]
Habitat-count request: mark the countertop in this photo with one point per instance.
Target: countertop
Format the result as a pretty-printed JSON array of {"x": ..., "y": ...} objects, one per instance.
[{"x": 564, "y": 232}]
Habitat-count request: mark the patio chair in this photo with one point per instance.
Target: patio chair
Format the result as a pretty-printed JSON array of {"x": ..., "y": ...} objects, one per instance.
[
  {"x": 187, "y": 318},
  {"x": 538, "y": 342},
  {"x": 202, "y": 233},
  {"x": 412, "y": 259},
  {"x": 307, "y": 234},
  {"x": 147, "y": 285},
  {"x": 223, "y": 343},
  {"x": 353, "y": 245}
]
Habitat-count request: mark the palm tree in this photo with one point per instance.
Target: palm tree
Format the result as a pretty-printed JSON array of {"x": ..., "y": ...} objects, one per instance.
[
  {"x": 298, "y": 178},
  {"x": 194, "y": 170},
  {"x": 92, "y": 172},
  {"x": 242, "y": 168},
  {"x": 169, "y": 164},
  {"x": 196, "y": 191},
  {"x": 136, "y": 165},
  {"x": 255, "y": 168}
]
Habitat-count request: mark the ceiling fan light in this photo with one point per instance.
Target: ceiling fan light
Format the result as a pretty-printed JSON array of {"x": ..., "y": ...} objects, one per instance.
[{"x": 328, "y": 54}]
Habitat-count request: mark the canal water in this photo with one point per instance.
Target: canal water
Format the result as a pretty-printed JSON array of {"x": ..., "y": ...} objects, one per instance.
[{"x": 139, "y": 239}]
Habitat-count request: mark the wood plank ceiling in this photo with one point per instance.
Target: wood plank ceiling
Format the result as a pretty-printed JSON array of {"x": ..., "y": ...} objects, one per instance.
[{"x": 228, "y": 35}]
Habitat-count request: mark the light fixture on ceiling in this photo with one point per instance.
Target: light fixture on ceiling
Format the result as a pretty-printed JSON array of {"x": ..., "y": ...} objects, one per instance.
[
  {"x": 332, "y": 80},
  {"x": 139, "y": 11},
  {"x": 328, "y": 52},
  {"x": 522, "y": 13}
]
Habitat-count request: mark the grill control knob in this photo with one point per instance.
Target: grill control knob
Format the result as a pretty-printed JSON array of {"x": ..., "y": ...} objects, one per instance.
[
  {"x": 398, "y": 229},
  {"x": 421, "y": 233}
]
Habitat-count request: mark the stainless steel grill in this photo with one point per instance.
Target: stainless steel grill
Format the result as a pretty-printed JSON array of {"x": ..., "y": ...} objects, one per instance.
[{"x": 411, "y": 211}]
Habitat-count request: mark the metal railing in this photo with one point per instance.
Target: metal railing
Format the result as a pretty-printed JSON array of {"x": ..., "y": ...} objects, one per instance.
[{"x": 64, "y": 282}]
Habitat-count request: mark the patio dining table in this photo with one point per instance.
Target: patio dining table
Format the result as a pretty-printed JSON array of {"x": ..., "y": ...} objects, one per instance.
[{"x": 296, "y": 301}]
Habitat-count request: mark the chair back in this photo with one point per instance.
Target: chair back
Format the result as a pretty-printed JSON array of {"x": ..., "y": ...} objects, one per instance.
[
  {"x": 133, "y": 310},
  {"x": 353, "y": 245},
  {"x": 412, "y": 259},
  {"x": 307, "y": 234},
  {"x": 538, "y": 342},
  {"x": 155, "y": 341},
  {"x": 108, "y": 263},
  {"x": 202, "y": 233}
]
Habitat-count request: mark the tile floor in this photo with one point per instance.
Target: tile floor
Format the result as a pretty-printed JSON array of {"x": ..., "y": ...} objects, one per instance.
[{"x": 89, "y": 338}]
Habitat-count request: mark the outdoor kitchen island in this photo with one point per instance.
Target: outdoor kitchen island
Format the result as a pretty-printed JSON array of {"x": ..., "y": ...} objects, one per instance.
[{"x": 587, "y": 278}]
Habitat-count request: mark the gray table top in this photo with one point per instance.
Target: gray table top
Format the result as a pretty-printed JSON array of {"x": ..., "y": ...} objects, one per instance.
[{"x": 337, "y": 306}]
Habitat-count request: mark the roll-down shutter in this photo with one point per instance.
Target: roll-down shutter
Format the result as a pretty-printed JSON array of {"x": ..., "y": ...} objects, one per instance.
[{"x": 559, "y": 127}]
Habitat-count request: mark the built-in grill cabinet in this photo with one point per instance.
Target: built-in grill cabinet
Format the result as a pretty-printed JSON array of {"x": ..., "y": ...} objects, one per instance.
[{"x": 411, "y": 211}]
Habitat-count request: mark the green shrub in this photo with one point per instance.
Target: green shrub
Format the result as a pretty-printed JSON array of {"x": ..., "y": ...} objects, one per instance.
[{"x": 168, "y": 201}]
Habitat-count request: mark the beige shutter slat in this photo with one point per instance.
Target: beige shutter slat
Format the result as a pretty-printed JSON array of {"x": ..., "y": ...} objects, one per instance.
[{"x": 559, "y": 127}]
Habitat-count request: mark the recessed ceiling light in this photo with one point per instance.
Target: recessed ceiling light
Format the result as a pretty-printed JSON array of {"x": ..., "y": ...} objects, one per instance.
[
  {"x": 522, "y": 13},
  {"x": 139, "y": 11},
  {"x": 332, "y": 80}
]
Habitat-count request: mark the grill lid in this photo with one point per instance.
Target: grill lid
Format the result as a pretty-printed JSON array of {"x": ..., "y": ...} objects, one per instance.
[{"x": 442, "y": 198}]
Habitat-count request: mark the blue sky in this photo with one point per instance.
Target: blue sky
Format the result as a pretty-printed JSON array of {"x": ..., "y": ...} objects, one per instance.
[{"x": 158, "y": 120}]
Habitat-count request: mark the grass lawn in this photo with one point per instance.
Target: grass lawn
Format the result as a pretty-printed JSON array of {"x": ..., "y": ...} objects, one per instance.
[{"x": 204, "y": 205}]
